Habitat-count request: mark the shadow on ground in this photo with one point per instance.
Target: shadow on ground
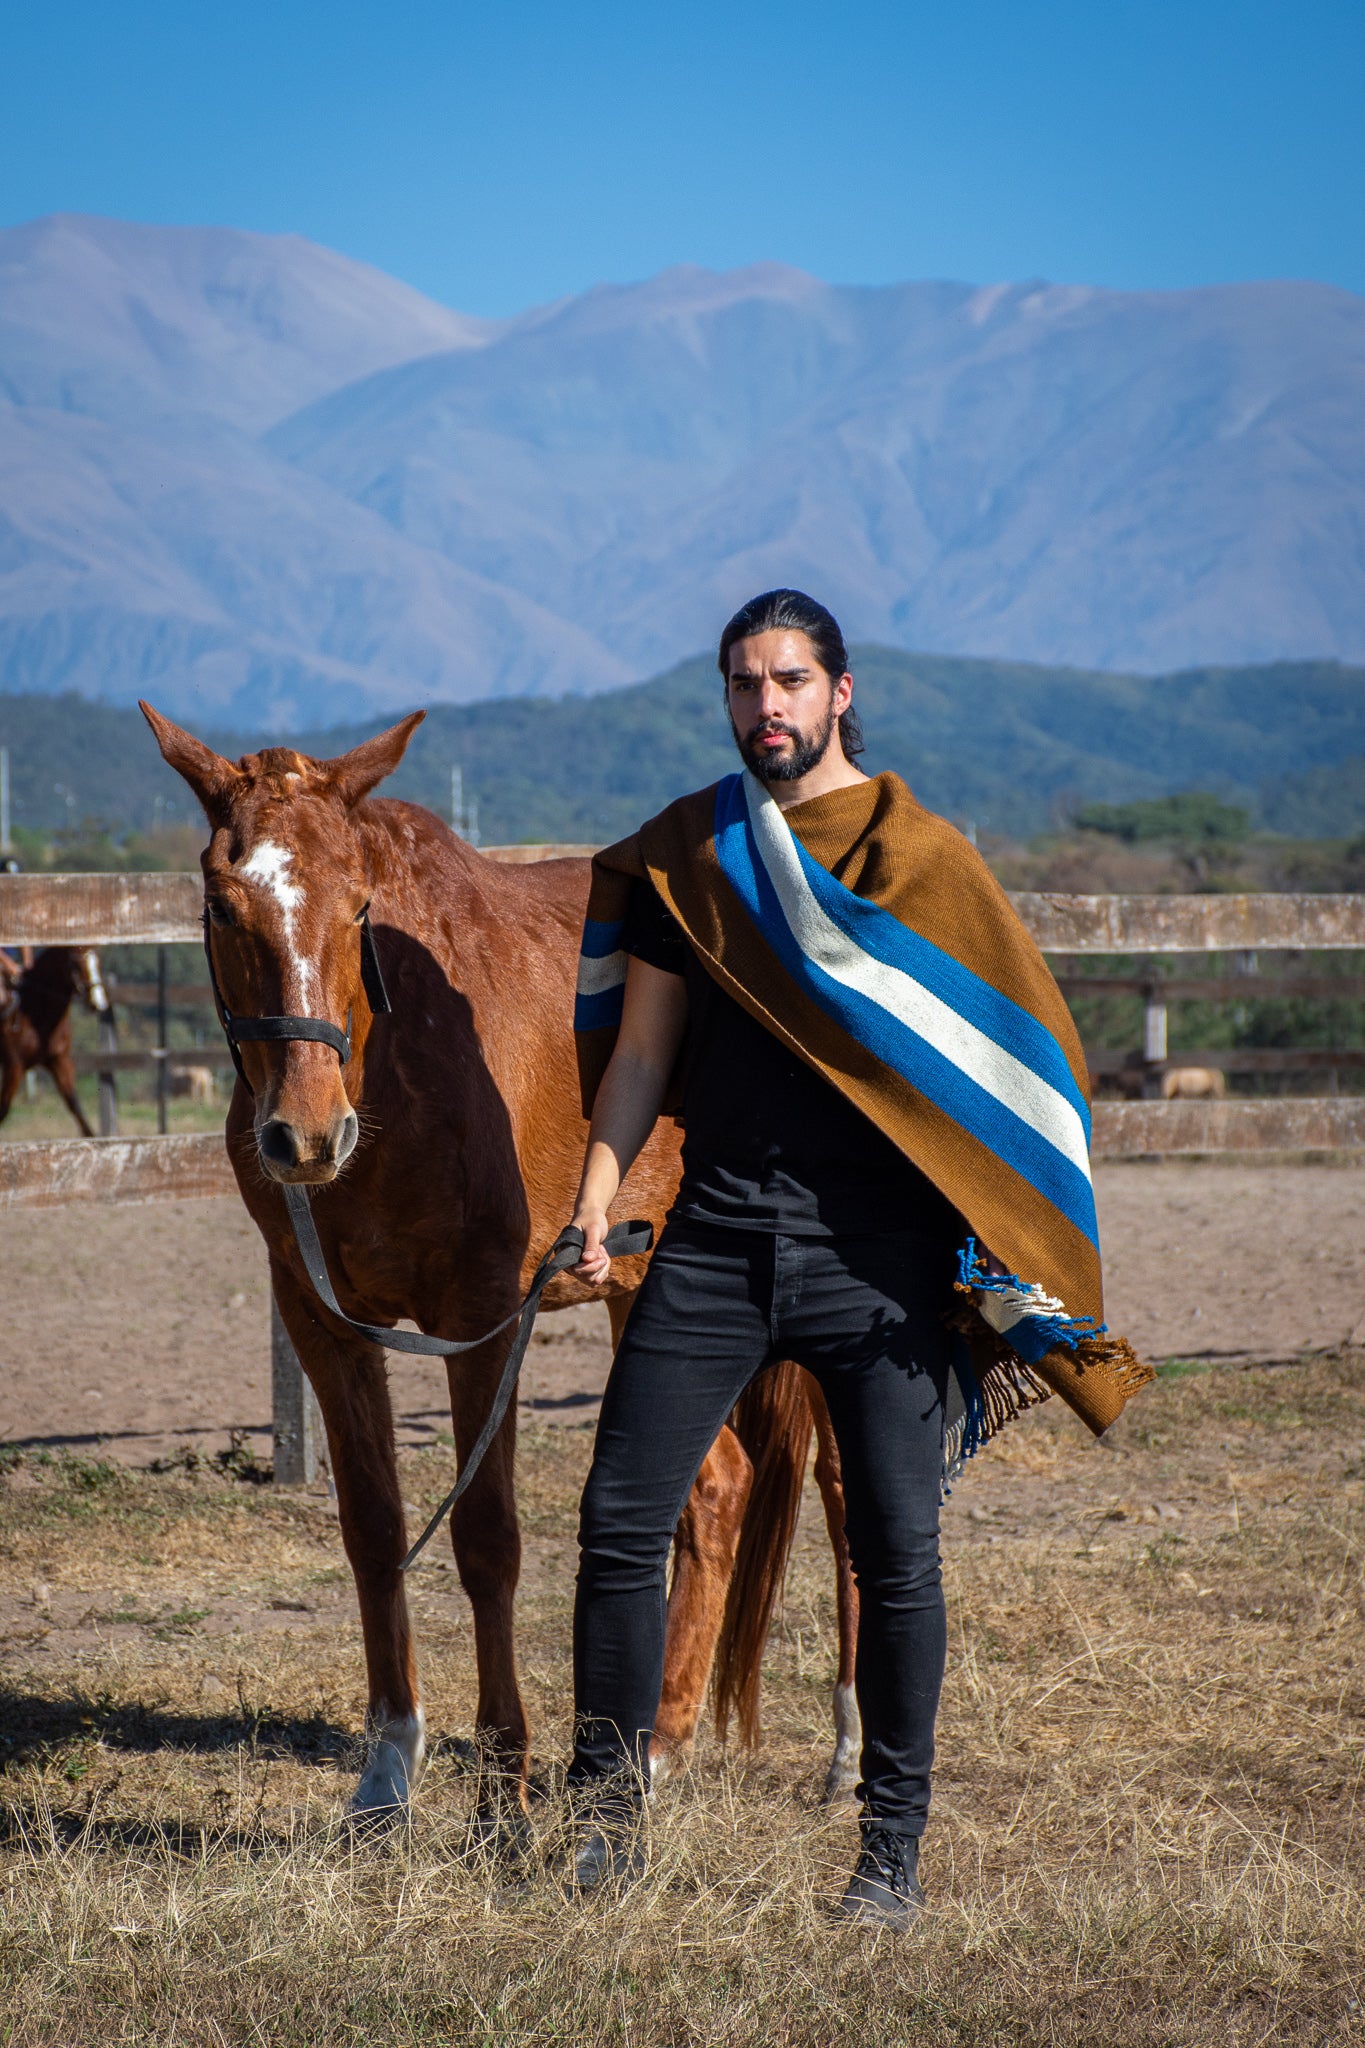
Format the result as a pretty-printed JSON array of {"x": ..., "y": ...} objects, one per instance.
[{"x": 33, "y": 1727}]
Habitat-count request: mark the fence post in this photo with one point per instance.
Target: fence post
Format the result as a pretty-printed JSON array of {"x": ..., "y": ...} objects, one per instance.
[
  {"x": 1153, "y": 1037},
  {"x": 296, "y": 1417},
  {"x": 163, "y": 1079},
  {"x": 108, "y": 1081}
]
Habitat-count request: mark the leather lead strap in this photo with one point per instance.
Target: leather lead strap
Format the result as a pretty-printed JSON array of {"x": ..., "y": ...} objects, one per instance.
[{"x": 622, "y": 1241}]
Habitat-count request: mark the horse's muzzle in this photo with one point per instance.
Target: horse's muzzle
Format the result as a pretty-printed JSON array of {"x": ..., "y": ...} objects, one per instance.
[{"x": 290, "y": 1154}]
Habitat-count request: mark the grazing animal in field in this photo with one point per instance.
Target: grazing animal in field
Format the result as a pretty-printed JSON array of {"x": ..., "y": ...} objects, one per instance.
[
  {"x": 193, "y": 1083},
  {"x": 1193, "y": 1084},
  {"x": 35, "y": 1029},
  {"x": 444, "y": 1155}
]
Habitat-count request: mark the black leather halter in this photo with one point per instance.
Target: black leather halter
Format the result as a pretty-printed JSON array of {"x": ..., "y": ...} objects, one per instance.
[{"x": 240, "y": 1030}]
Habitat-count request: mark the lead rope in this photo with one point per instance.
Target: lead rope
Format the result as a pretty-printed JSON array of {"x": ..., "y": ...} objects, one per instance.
[{"x": 623, "y": 1240}]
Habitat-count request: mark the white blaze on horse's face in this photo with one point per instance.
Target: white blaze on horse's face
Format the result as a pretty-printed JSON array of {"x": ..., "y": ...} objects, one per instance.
[
  {"x": 271, "y": 866},
  {"x": 306, "y": 1128}
]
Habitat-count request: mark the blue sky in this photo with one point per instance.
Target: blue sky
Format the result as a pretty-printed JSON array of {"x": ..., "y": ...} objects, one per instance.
[{"x": 503, "y": 154}]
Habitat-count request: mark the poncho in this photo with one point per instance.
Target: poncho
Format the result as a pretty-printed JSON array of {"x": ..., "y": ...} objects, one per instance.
[{"x": 868, "y": 936}]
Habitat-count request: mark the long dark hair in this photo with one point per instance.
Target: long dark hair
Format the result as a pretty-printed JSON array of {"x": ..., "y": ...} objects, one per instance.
[{"x": 793, "y": 611}]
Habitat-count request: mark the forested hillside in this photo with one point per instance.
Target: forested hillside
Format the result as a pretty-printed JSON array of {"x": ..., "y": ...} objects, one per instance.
[{"x": 1013, "y": 748}]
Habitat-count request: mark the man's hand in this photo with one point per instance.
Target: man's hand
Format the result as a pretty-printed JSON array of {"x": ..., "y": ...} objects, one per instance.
[{"x": 595, "y": 1264}]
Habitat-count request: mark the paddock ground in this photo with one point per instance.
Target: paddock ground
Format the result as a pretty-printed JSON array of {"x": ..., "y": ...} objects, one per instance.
[{"x": 1151, "y": 1773}]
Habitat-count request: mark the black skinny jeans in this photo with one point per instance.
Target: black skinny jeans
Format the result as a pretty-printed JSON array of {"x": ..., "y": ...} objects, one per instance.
[{"x": 865, "y": 1316}]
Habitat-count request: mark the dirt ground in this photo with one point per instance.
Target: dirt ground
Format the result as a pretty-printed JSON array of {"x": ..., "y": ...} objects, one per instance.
[
  {"x": 1149, "y": 1783},
  {"x": 138, "y": 1330}
]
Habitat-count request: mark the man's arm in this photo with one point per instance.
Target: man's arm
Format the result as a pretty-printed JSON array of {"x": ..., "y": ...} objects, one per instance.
[{"x": 628, "y": 1100}]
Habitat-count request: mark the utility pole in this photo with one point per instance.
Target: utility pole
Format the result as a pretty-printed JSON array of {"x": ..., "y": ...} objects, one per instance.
[{"x": 464, "y": 813}]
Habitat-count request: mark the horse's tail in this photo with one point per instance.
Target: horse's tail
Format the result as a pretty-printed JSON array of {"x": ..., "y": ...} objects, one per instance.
[{"x": 773, "y": 1422}]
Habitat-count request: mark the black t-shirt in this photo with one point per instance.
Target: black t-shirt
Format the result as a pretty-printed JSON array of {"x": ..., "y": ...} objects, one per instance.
[{"x": 769, "y": 1143}]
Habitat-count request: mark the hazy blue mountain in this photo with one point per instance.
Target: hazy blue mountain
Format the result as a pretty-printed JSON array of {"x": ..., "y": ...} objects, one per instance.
[
  {"x": 1013, "y": 747},
  {"x": 272, "y": 486},
  {"x": 124, "y": 322},
  {"x": 1114, "y": 480}
]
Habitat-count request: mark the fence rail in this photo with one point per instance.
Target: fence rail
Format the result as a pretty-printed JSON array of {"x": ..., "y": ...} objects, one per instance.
[
  {"x": 164, "y": 910},
  {"x": 1229, "y": 1059},
  {"x": 48, "y": 1174}
]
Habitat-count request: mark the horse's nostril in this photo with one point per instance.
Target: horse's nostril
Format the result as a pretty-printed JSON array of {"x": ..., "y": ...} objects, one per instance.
[{"x": 278, "y": 1144}]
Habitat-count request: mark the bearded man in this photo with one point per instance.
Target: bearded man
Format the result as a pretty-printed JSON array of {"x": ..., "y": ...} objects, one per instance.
[{"x": 877, "y": 1076}]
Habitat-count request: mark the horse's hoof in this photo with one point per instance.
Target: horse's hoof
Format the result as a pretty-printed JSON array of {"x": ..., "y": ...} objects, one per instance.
[
  {"x": 841, "y": 1779},
  {"x": 391, "y": 1771},
  {"x": 840, "y": 1789},
  {"x": 376, "y": 1823}
]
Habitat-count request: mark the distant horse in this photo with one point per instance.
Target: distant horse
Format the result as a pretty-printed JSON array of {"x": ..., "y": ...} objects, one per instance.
[
  {"x": 444, "y": 1154},
  {"x": 1193, "y": 1084},
  {"x": 195, "y": 1084},
  {"x": 35, "y": 1029}
]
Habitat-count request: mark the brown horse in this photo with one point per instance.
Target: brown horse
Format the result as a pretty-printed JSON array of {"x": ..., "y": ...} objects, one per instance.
[
  {"x": 444, "y": 1155},
  {"x": 35, "y": 1029}
]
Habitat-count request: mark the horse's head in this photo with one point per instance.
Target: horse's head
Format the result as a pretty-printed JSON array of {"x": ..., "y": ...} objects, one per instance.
[{"x": 287, "y": 884}]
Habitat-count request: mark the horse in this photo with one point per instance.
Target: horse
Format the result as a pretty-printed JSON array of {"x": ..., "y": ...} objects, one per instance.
[
  {"x": 443, "y": 1153},
  {"x": 35, "y": 1030},
  {"x": 193, "y": 1084},
  {"x": 1193, "y": 1084}
]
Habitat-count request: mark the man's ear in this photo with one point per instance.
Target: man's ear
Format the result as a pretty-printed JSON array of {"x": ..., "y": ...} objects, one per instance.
[
  {"x": 352, "y": 776},
  {"x": 214, "y": 779}
]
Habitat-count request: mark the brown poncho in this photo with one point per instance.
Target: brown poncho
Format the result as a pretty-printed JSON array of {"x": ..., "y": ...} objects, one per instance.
[{"x": 872, "y": 939}]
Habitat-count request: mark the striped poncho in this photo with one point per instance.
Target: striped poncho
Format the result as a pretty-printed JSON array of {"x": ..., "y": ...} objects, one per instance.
[{"x": 872, "y": 939}]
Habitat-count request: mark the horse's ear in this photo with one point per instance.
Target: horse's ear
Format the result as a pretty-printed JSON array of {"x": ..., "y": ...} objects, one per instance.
[
  {"x": 352, "y": 776},
  {"x": 213, "y": 778}
]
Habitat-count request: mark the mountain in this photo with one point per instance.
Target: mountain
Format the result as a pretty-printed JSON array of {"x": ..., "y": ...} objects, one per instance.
[
  {"x": 1012, "y": 747},
  {"x": 118, "y": 322},
  {"x": 149, "y": 540},
  {"x": 271, "y": 486}
]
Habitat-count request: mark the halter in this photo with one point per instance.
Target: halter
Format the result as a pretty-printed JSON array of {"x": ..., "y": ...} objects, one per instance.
[{"x": 240, "y": 1030}]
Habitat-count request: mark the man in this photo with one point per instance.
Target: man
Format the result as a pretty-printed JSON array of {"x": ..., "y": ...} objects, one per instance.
[{"x": 874, "y": 1065}]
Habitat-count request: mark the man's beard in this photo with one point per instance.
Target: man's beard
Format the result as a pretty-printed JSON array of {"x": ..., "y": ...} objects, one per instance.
[{"x": 805, "y": 754}]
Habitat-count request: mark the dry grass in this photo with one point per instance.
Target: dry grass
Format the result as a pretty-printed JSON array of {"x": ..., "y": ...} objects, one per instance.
[{"x": 1148, "y": 1799}]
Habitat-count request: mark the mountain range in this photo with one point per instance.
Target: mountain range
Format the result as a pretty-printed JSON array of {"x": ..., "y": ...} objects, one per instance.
[{"x": 271, "y": 487}]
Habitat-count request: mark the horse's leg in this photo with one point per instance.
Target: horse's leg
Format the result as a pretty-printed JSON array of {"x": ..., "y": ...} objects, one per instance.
[
  {"x": 842, "y": 1774},
  {"x": 704, "y": 1547},
  {"x": 11, "y": 1074},
  {"x": 63, "y": 1072},
  {"x": 348, "y": 1376},
  {"x": 487, "y": 1543}
]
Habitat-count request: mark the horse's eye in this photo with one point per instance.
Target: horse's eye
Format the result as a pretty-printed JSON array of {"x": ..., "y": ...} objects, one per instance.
[
  {"x": 363, "y": 912},
  {"x": 218, "y": 912}
]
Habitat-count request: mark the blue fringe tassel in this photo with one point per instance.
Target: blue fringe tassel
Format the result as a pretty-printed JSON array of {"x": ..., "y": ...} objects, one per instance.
[{"x": 1032, "y": 1337}]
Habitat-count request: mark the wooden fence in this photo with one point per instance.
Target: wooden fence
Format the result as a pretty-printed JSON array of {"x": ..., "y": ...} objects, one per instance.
[{"x": 164, "y": 910}]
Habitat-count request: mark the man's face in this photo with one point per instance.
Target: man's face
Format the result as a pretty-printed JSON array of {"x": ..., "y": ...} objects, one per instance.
[{"x": 783, "y": 706}]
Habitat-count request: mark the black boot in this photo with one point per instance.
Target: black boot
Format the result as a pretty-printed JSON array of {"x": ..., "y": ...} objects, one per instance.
[
  {"x": 884, "y": 1889},
  {"x": 608, "y": 1851}
]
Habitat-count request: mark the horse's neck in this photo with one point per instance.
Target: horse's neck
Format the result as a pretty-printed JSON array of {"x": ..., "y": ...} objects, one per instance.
[{"x": 441, "y": 894}]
